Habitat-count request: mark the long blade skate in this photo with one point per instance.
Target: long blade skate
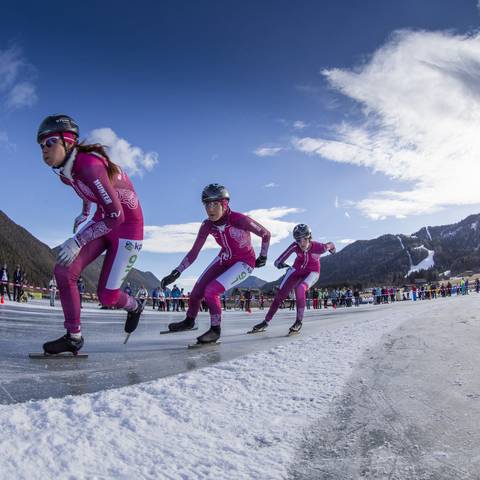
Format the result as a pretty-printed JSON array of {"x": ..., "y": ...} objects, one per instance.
[
  {"x": 259, "y": 327},
  {"x": 203, "y": 344},
  {"x": 259, "y": 330},
  {"x": 164, "y": 332},
  {"x": 295, "y": 329},
  {"x": 292, "y": 333},
  {"x": 49, "y": 356}
]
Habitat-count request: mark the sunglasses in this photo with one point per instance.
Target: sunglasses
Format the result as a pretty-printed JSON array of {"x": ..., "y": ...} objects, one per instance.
[
  {"x": 49, "y": 142},
  {"x": 212, "y": 204}
]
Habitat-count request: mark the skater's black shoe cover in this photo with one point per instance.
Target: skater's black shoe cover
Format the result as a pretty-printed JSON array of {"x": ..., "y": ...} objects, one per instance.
[
  {"x": 133, "y": 318},
  {"x": 259, "y": 327},
  {"x": 296, "y": 327},
  {"x": 211, "y": 336},
  {"x": 63, "y": 344},
  {"x": 186, "y": 324}
]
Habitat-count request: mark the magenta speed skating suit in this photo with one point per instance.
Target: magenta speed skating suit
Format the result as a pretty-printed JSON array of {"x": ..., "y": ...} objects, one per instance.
[
  {"x": 234, "y": 263},
  {"x": 301, "y": 276},
  {"x": 116, "y": 227}
]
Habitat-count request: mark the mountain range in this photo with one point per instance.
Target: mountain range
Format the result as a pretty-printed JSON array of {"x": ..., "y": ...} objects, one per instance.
[
  {"x": 390, "y": 259},
  {"x": 37, "y": 260}
]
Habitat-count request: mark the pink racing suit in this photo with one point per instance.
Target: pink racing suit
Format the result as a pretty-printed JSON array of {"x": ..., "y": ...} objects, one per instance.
[
  {"x": 116, "y": 227},
  {"x": 234, "y": 263},
  {"x": 301, "y": 276}
]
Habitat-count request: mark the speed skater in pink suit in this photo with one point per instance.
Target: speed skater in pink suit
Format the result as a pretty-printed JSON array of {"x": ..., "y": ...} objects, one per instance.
[
  {"x": 116, "y": 228},
  {"x": 234, "y": 263},
  {"x": 299, "y": 277}
]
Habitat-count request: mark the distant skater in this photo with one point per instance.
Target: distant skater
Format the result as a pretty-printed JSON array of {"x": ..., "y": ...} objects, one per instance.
[
  {"x": 300, "y": 277},
  {"x": 233, "y": 264}
]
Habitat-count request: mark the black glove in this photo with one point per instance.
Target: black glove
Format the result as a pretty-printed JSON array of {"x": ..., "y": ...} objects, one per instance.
[
  {"x": 283, "y": 265},
  {"x": 260, "y": 261},
  {"x": 169, "y": 278}
]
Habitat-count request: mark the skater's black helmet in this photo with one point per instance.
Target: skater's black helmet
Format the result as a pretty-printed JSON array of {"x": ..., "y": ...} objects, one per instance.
[
  {"x": 58, "y": 123},
  {"x": 213, "y": 192},
  {"x": 302, "y": 231}
]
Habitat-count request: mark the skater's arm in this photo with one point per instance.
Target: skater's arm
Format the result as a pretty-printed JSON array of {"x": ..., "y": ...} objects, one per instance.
[
  {"x": 83, "y": 216},
  {"x": 192, "y": 255},
  {"x": 280, "y": 261},
  {"x": 330, "y": 246},
  {"x": 246, "y": 223},
  {"x": 95, "y": 177}
]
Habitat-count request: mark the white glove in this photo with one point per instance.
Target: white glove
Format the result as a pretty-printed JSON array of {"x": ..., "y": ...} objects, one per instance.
[
  {"x": 69, "y": 251},
  {"x": 78, "y": 221}
]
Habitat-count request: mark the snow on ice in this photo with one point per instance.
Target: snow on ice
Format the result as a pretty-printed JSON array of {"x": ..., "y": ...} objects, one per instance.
[{"x": 241, "y": 419}]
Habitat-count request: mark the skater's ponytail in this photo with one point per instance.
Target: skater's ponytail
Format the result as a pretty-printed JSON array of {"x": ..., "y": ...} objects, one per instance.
[{"x": 112, "y": 168}]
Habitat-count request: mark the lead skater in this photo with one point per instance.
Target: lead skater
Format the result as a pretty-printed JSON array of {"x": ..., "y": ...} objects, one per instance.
[
  {"x": 116, "y": 227},
  {"x": 300, "y": 277},
  {"x": 234, "y": 263}
]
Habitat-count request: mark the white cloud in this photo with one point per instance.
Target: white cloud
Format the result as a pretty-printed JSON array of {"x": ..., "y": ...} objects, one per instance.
[
  {"x": 179, "y": 238},
  {"x": 336, "y": 202},
  {"x": 420, "y": 98},
  {"x": 271, "y": 185},
  {"x": 22, "y": 95},
  {"x": 133, "y": 159},
  {"x": 299, "y": 125},
  {"x": 267, "y": 151},
  {"x": 16, "y": 86},
  {"x": 346, "y": 241},
  {"x": 347, "y": 214},
  {"x": 5, "y": 143}
]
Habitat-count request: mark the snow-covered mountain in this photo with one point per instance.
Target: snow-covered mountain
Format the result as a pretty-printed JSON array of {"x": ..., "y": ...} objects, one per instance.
[{"x": 390, "y": 259}]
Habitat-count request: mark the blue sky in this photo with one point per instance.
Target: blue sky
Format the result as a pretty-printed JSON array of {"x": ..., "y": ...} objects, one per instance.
[{"x": 359, "y": 118}]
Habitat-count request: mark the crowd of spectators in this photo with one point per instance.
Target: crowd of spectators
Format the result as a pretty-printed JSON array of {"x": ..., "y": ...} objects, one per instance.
[
  {"x": 176, "y": 299},
  {"x": 17, "y": 280}
]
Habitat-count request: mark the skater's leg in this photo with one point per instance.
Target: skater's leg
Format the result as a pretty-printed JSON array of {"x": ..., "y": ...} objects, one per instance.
[
  {"x": 301, "y": 290},
  {"x": 120, "y": 257},
  {"x": 233, "y": 275},
  {"x": 198, "y": 292},
  {"x": 288, "y": 283},
  {"x": 212, "y": 297},
  {"x": 67, "y": 277}
]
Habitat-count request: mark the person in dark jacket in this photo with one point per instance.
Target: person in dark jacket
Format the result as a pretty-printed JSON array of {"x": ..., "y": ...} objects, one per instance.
[
  {"x": 4, "y": 282},
  {"x": 17, "y": 284}
]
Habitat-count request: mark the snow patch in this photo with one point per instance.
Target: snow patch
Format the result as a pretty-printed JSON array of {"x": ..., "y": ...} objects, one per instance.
[
  {"x": 428, "y": 233},
  {"x": 241, "y": 419},
  {"x": 425, "y": 264},
  {"x": 408, "y": 253},
  {"x": 450, "y": 233}
]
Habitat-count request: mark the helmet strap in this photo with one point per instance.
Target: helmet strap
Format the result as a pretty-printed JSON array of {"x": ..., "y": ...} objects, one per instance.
[{"x": 67, "y": 152}]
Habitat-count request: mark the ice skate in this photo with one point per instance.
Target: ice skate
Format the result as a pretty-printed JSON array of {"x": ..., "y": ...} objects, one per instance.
[
  {"x": 295, "y": 328},
  {"x": 187, "y": 324},
  {"x": 133, "y": 318},
  {"x": 260, "y": 327},
  {"x": 210, "y": 337},
  {"x": 65, "y": 344}
]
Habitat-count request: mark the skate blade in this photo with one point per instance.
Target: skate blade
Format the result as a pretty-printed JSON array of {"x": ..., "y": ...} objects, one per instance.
[
  {"x": 203, "y": 345},
  {"x": 257, "y": 331},
  {"x": 292, "y": 334},
  {"x": 48, "y": 356},
  {"x": 164, "y": 332},
  {"x": 126, "y": 338}
]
